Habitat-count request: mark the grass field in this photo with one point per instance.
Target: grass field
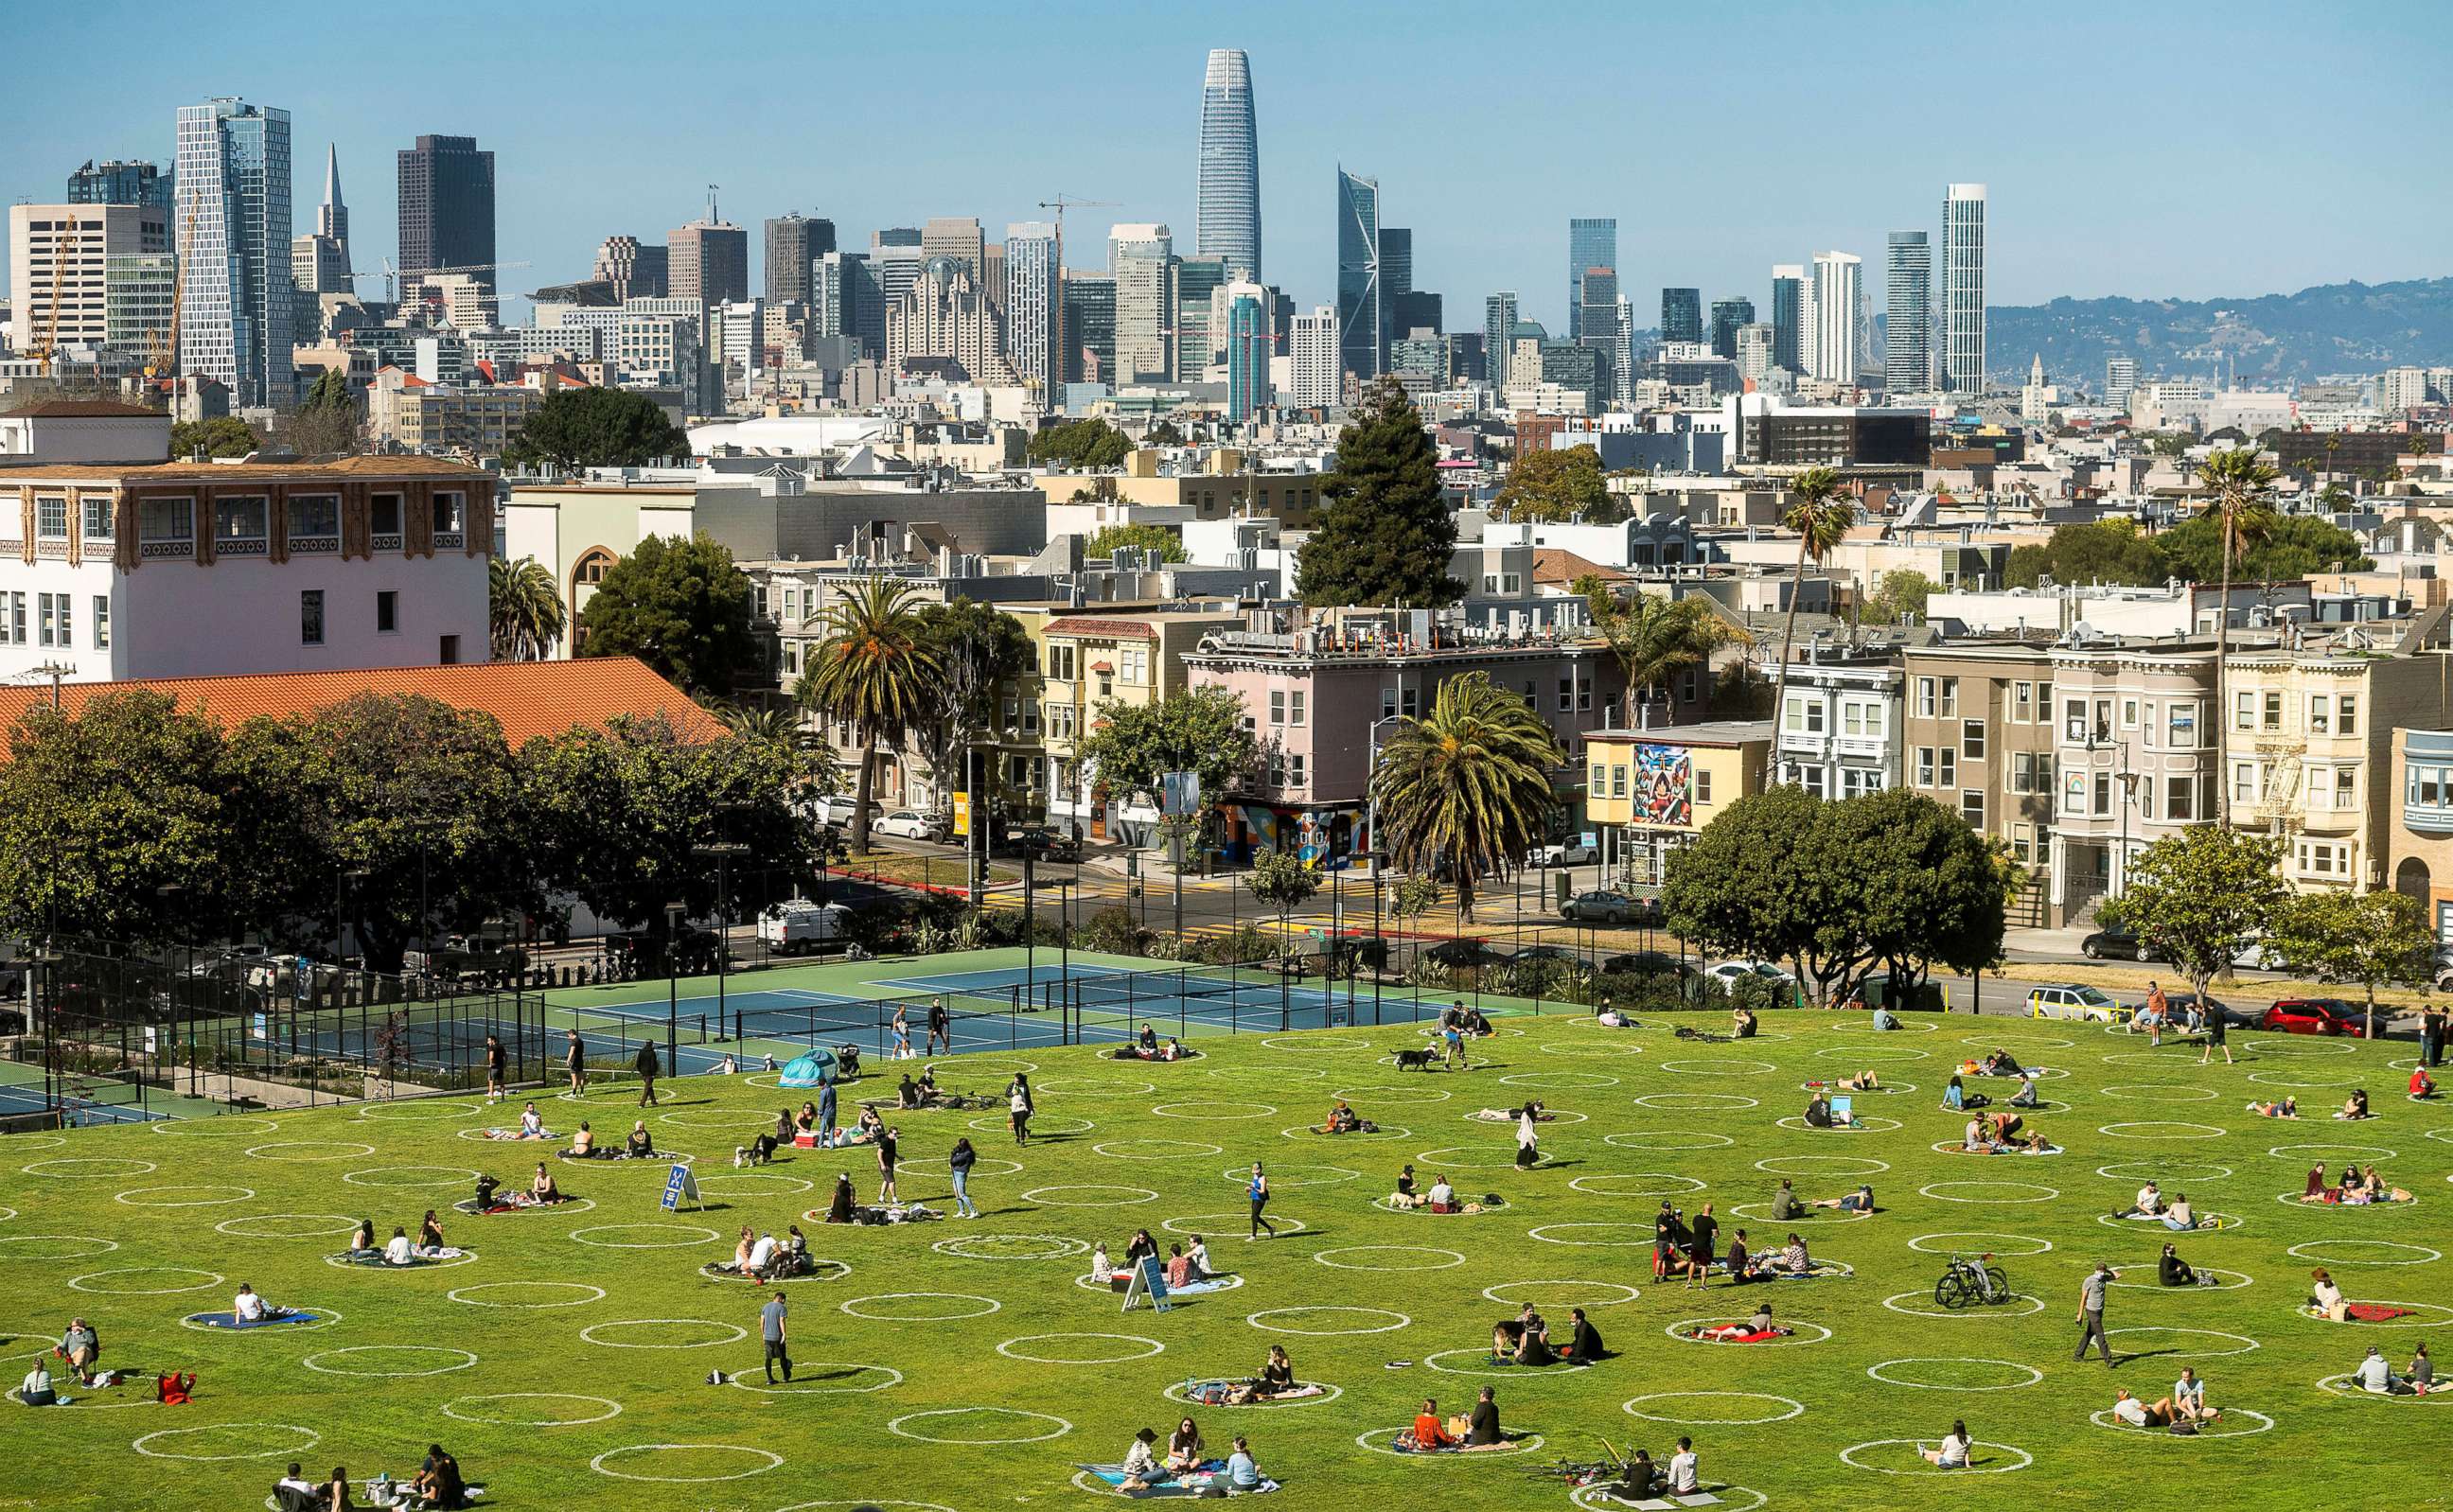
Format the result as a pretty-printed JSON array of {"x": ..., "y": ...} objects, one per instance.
[{"x": 566, "y": 1363}]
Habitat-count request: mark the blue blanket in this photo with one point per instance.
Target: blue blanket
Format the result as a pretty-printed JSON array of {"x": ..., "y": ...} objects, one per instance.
[
  {"x": 1187, "y": 1483},
  {"x": 226, "y": 1320}
]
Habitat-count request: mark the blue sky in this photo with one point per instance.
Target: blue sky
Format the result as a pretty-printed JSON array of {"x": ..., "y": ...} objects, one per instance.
[{"x": 2185, "y": 149}]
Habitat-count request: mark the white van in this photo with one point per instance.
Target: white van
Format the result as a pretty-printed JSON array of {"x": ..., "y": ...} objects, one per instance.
[{"x": 799, "y": 927}]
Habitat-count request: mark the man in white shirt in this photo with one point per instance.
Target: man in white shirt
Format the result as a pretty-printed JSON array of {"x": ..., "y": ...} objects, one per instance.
[
  {"x": 2150, "y": 1199},
  {"x": 397, "y": 1252},
  {"x": 762, "y": 1254},
  {"x": 1973, "y": 1136},
  {"x": 2130, "y": 1409},
  {"x": 246, "y": 1307},
  {"x": 1683, "y": 1473}
]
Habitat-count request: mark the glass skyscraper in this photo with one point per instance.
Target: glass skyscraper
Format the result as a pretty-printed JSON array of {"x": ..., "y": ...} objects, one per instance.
[
  {"x": 1907, "y": 325},
  {"x": 1727, "y": 315},
  {"x": 1788, "y": 316},
  {"x": 1247, "y": 358},
  {"x": 1228, "y": 223},
  {"x": 1034, "y": 308},
  {"x": 1963, "y": 289},
  {"x": 1362, "y": 339},
  {"x": 1682, "y": 314},
  {"x": 1591, "y": 243},
  {"x": 1497, "y": 334},
  {"x": 236, "y": 309},
  {"x": 446, "y": 208}
]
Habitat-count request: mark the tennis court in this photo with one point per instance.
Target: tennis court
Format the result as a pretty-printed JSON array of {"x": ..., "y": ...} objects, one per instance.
[{"x": 1107, "y": 1003}]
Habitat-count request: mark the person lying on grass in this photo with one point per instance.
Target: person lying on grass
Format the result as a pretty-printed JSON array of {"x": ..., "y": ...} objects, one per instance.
[
  {"x": 2354, "y": 1107},
  {"x": 2289, "y": 1108},
  {"x": 1860, "y": 1201},
  {"x": 1758, "y": 1327},
  {"x": 2138, "y": 1414},
  {"x": 1864, "y": 1080},
  {"x": 2188, "y": 1398}
]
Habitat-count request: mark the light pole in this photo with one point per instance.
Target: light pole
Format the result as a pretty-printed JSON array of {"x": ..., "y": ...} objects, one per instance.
[
  {"x": 674, "y": 914},
  {"x": 721, "y": 853},
  {"x": 1379, "y": 852},
  {"x": 171, "y": 892}
]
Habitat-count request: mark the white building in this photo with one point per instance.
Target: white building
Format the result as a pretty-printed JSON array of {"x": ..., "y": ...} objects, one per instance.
[
  {"x": 1754, "y": 352},
  {"x": 1963, "y": 289},
  {"x": 2119, "y": 381},
  {"x": 1141, "y": 260},
  {"x": 1312, "y": 346},
  {"x": 1034, "y": 308},
  {"x": 1840, "y": 320}
]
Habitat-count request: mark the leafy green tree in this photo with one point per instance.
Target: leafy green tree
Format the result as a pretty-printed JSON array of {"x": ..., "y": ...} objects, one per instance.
[
  {"x": 1903, "y": 592},
  {"x": 1412, "y": 897},
  {"x": 979, "y": 651},
  {"x": 877, "y": 672},
  {"x": 524, "y": 614},
  {"x": 2275, "y": 549},
  {"x": 1740, "y": 888},
  {"x": 375, "y": 809},
  {"x": 223, "y": 436},
  {"x": 1280, "y": 880},
  {"x": 108, "y": 805},
  {"x": 1653, "y": 637},
  {"x": 1166, "y": 433},
  {"x": 1083, "y": 443},
  {"x": 1465, "y": 788},
  {"x": 2368, "y": 939},
  {"x": 617, "y": 817},
  {"x": 2241, "y": 509},
  {"x": 327, "y": 418},
  {"x": 2170, "y": 443},
  {"x": 1820, "y": 514},
  {"x": 1157, "y": 538},
  {"x": 1383, "y": 535},
  {"x": 2100, "y": 551},
  {"x": 1557, "y": 484},
  {"x": 1198, "y": 730},
  {"x": 596, "y": 427},
  {"x": 682, "y": 607},
  {"x": 2197, "y": 895}
]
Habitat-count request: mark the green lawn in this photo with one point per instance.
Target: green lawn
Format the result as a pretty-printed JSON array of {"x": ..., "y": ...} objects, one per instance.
[{"x": 549, "y": 1324}]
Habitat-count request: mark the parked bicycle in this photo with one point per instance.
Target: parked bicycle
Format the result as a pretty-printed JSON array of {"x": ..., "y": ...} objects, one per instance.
[{"x": 1966, "y": 1283}]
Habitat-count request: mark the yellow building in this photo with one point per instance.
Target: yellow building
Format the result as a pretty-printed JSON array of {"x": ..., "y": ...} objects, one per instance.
[
  {"x": 1089, "y": 659},
  {"x": 1649, "y": 792}
]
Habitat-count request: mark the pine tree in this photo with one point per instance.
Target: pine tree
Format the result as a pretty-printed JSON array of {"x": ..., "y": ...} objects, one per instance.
[{"x": 1384, "y": 535}]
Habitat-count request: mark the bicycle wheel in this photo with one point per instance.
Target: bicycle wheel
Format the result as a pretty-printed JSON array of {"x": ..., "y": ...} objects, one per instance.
[
  {"x": 1950, "y": 1291},
  {"x": 1999, "y": 1284}
]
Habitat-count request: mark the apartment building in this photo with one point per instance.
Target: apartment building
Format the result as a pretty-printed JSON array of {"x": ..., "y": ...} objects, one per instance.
[
  {"x": 2421, "y": 846},
  {"x": 1133, "y": 660},
  {"x": 1649, "y": 793},
  {"x": 1978, "y": 737},
  {"x": 1839, "y": 728},
  {"x": 2133, "y": 756},
  {"x": 477, "y": 420}
]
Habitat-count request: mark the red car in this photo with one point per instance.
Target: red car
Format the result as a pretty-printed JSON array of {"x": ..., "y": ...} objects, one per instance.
[{"x": 2316, "y": 1016}]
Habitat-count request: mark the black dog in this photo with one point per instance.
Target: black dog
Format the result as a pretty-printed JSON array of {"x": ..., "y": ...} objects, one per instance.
[{"x": 1416, "y": 1060}]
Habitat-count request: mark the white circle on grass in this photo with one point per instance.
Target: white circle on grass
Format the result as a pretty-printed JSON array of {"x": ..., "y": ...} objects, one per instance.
[
  {"x": 1635, "y": 1407},
  {"x": 2224, "y": 1224},
  {"x": 730, "y": 1333},
  {"x": 1328, "y": 1392},
  {"x": 2346, "y": 1385},
  {"x": 1546, "y": 1234},
  {"x": 1030, "y": 1246},
  {"x": 1560, "y": 1080},
  {"x": 896, "y": 1426},
  {"x": 1045, "y": 1195},
  {"x": 1085, "y": 1087},
  {"x": 458, "y": 1359},
  {"x": 343, "y": 1262},
  {"x": 1862, "y": 1126},
  {"x": 2241, "y": 1342},
  {"x": 2310, "y": 1251},
  {"x": 212, "y": 1278},
  {"x": 2103, "y": 1418},
  {"x": 1760, "y": 1213},
  {"x": 1147, "y": 1149},
  {"x": 2033, "y": 1375},
  {"x": 225, "y": 1126},
  {"x": 2043, "y": 1246},
  {"x": 233, "y": 1226},
  {"x": 1668, "y": 1140},
  {"x": 1680, "y": 1331},
  {"x": 2419, "y": 1314},
  {"x": 465, "y": 1294},
  {"x": 1658, "y": 1185},
  {"x": 276, "y": 1452},
  {"x": 2161, "y": 1091},
  {"x": 1874, "y": 1055},
  {"x": 1039, "y": 1125},
  {"x": 129, "y": 1197},
  {"x": 2176, "y": 1172},
  {"x": 1382, "y": 1441},
  {"x": 773, "y": 1460},
  {"x": 2163, "y": 1129},
  {"x": 10, "y": 1251},
  {"x": 1822, "y": 1166},
  {"x": 1452, "y": 1257},
  {"x": 341, "y": 1150},
  {"x": 1696, "y": 1102},
  {"x": 2303, "y": 1083},
  {"x": 986, "y": 1305},
  {"x": 51, "y": 1168},
  {"x": 808, "y": 1386},
  {"x": 424, "y": 1176},
  {"x": 1236, "y": 1111},
  {"x": 1278, "y": 1177},
  {"x": 1255, "y": 1320},
  {"x": 614, "y": 1409},
  {"x": 1221, "y": 1222},
  {"x": 1151, "y": 1346},
  {"x": 2304, "y": 1045},
  {"x": 2373, "y": 1152},
  {"x": 316, "y": 1318},
  {"x": 727, "y": 1182},
  {"x": 698, "y": 1236},
  {"x": 1593, "y": 1296},
  {"x": 1938, "y": 1194},
  {"x": 2240, "y": 1278},
  {"x": 1498, "y": 1158},
  {"x": 417, "y": 1111},
  {"x": 1846, "y": 1457},
  {"x": 2016, "y": 1307},
  {"x": 1719, "y": 1067},
  {"x": 710, "y": 1118}
]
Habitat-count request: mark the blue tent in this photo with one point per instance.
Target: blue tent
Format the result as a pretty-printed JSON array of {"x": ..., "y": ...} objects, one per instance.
[{"x": 814, "y": 1069}]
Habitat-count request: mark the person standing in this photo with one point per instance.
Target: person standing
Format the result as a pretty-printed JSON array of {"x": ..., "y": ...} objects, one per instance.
[
  {"x": 962, "y": 1161},
  {"x": 1528, "y": 1147},
  {"x": 901, "y": 1034},
  {"x": 1452, "y": 1036},
  {"x": 2215, "y": 1036},
  {"x": 495, "y": 1088},
  {"x": 886, "y": 1140},
  {"x": 1257, "y": 1192},
  {"x": 1017, "y": 1095},
  {"x": 2090, "y": 1313},
  {"x": 939, "y": 1027},
  {"x": 649, "y": 1067},
  {"x": 826, "y": 1125},
  {"x": 574, "y": 1060},
  {"x": 772, "y": 1328},
  {"x": 2431, "y": 1034},
  {"x": 1704, "y": 1231},
  {"x": 2157, "y": 1009}
]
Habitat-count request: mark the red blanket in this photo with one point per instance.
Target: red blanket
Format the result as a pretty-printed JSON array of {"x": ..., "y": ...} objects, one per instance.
[
  {"x": 1744, "y": 1338},
  {"x": 2374, "y": 1311}
]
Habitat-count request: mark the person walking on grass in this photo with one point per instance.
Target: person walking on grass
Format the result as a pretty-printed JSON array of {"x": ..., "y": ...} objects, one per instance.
[
  {"x": 2157, "y": 1009},
  {"x": 2215, "y": 1039},
  {"x": 962, "y": 1161},
  {"x": 2090, "y": 1312},
  {"x": 886, "y": 1140},
  {"x": 772, "y": 1328},
  {"x": 1017, "y": 1095},
  {"x": 649, "y": 1067},
  {"x": 1257, "y": 1192},
  {"x": 574, "y": 1060},
  {"x": 1452, "y": 1036},
  {"x": 941, "y": 1030},
  {"x": 901, "y": 1034},
  {"x": 496, "y": 1089},
  {"x": 1703, "y": 1230}
]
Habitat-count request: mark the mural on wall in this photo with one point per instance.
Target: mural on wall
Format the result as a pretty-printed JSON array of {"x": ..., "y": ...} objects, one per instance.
[
  {"x": 1323, "y": 839},
  {"x": 1664, "y": 785}
]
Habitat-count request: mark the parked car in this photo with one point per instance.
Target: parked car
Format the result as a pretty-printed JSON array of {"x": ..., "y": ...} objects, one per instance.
[
  {"x": 1730, "y": 973},
  {"x": 799, "y": 927},
  {"x": 2078, "y": 1002},
  {"x": 1648, "y": 964},
  {"x": 2316, "y": 1016},
  {"x": 1039, "y": 842},
  {"x": 2181, "y": 1003},
  {"x": 1552, "y": 953},
  {"x": 1462, "y": 953},
  {"x": 839, "y": 810},
  {"x": 910, "y": 824},
  {"x": 1600, "y": 906},
  {"x": 1577, "y": 850},
  {"x": 2116, "y": 945}
]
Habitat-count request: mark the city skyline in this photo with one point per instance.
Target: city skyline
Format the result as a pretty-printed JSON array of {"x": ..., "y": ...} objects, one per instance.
[{"x": 1485, "y": 222}]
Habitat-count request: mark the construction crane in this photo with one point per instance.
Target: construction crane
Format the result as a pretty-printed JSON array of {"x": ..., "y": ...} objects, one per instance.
[
  {"x": 391, "y": 275},
  {"x": 162, "y": 347},
  {"x": 1061, "y": 204},
  {"x": 49, "y": 341}
]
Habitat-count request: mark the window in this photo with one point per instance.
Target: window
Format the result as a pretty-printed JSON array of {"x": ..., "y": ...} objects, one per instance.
[
  {"x": 2022, "y": 772},
  {"x": 1295, "y": 706},
  {"x": 1972, "y": 807},
  {"x": 99, "y": 524},
  {"x": 2274, "y": 708},
  {"x": 1949, "y": 697},
  {"x": 2347, "y": 784},
  {"x": 791, "y": 650},
  {"x": 2179, "y": 799},
  {"x": 14, "y": 630},
  {"x": 1925, "y": 697},
  {"x": 1387, "y": 703},
  {"x": 1946, "y": 770},
  {"x": 2182, "y": 725},
  {"x": 2245, "y": 788},
  {"x": 1406, "y": 700},
  {"x": 2324, "y": 858},
  {"x": 2044, "y": 701},
  {"x": 1134, "y": 664},
  {"x": 1277, "y": 706},
  {"x": 1061, "y": 662},
  {"x": 1702, "y": 785},
  {"x": 316, "y": 517},
  {"x": 46, "y": 621},
  {"x": 102, "y": 621},
  {"x": 1295, "y": 768},
  {"x": 387, "y": 612},
  {"x": 2320, "y": 708},
  {"x": 1810, "y": 778},
  {"x": 166, "y": 520},
  {"x": 2426, "y": 784},
  {"x": 1600, "y": 783},
  {"x": 1925, "y": 767},
  {"x": 310, "y": 617},
  {"x": 1617, "y": 782},
  {"x": 2074, "y": 795},
  {"x": 1566, "y": 692},
  {"x": 2102, "y": 793},
  {"x": 2044, "y": 773},
  {"x": 1277, "y": 766},
  {"x": 2074, "y": 720},
  {"x": 241, "y": 520},
  {"x": 1805, "y": 714},
  {"x": 1106, "y": 684},
  {"x": 2022, "y": 703},
  {"x": 449, "y": 514},
  {"x": 51, "y": 519},
  {"x": 2129, "y": 713},
  {"x": 2243, "y": 709},
  {"x": 382, "y": 518},
  {"x": 2349, "y": 722},
  {"x": 1971, "y": 739},
  {"x": 2023, "y": 842}
]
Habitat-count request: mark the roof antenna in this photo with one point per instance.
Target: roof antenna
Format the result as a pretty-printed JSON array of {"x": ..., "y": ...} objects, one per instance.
[{"x": 711, "y": 205}]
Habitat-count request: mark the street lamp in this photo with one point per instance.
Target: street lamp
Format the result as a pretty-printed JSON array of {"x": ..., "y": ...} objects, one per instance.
[
  {"x": 674, "y": 914},
  {"x": 1371, "y": 824},
  {"x": 721, "y": 852},
  {"x": 171, "y": 892}
]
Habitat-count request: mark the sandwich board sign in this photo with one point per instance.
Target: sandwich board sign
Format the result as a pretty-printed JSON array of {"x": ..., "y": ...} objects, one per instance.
[
  {"x": 1148, "y": 1277},
  {"x": 680, "y": 1184}
]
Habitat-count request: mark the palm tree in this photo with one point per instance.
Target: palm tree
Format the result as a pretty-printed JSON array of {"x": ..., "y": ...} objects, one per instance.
[
  {"x": 781, "y": 727},
  {"x": 1821, "y": 517},
  {"x": 1652, "y": 636},
  {"x": 524, "y": 613},
  {"x": 2239, "y": 479},
  {"x": 1466, "y": 785},
  {"x": 874, "y": 672}
]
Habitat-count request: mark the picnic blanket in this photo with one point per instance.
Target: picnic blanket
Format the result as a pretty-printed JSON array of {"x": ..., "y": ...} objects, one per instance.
[
  {"x": 1652, "y": 1503},
  {"x": 1134, "y": 1052},
  {"x": 505, "y": 1203},
  {"x": 1752, "y": 1337},
  {"x": 227, "y": 1320},
  {"x": 1959, "y": 1148},
  {"x": 513, "y": 1134},
  {"x": 1212, "y": 1473},
  {"x": 2374, "y": 1312},
  {"x": 1194, "y": 1288},
  {"x": 375, "y": 1258},
  {"x": 1215, "y": 1393},
  {"x": 1815, "y": 1270}
]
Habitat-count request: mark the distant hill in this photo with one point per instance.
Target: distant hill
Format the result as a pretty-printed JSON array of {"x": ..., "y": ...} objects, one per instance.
[{"x": 2331, "y": 329}]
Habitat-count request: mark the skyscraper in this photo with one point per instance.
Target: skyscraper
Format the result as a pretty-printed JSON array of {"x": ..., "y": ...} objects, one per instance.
[
  {"x": 795, "y": 243},
  {"x": 1089, "y": 329},
  {"x": 1227, "y": 222},
  {"x": 1247, "y": 358},
  {"x": 118, "y": 183},
  {"x": 1141, "y": 258},
  {"x": 446, "y": 206},
  {"x": 1839, "y": 298},
  {"x": 1314, "y": 359},
  {"x": 1787, "y": 316},
  {"x": 1727, "y": 315},
  {"x": 319, "y": 262},
  {"x": 1602, "y": 331},
  {"x": 1963, "y": 289},
  {"x": 235, "y": 301},
  {"x": 710, "y": 259},
  {"x": 635, "y": 270},
  {"x": 1363, "y": 339},
  {"x": 1907, "y": 325},
  {"x": 1498, "y": 326},
  {"x": 1682, "y": 314},
  {"x": 958, "y": 237},
  {"x": 94, "y": 276},
  {"x": 1591, "y": 243},
  {"x": 1034, "y": 309},
  {"x": 844, "y": 301}
]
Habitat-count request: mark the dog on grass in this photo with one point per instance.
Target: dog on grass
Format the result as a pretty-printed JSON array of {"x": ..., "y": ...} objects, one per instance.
[
  {"x": 749, "y": 1154},
  {"x": 1416, "y": 1060}
]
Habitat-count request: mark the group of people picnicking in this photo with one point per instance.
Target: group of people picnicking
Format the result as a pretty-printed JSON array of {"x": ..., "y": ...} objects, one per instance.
[
  {"x": 437, "y": 1485},
  {"x": 1183, "y": 1265}
]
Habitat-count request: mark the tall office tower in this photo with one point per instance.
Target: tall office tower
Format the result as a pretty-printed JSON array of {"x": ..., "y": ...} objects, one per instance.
[
  {"x": 1198, "y": 343},
  {"x": 2120, "y": 380},
  {"x": 992, "y": 274},
  {"x": 236, "y": 307},
  {"x": 710, "y": 261},
  {"x": 1839, "y": 295},
  {"x": 1755, "y": 352},
  {"x": 1498, "y": 324},
  {"x": 894, "y": 236},
  {"x": 845, "y": 300},
  {"x": 1362, "y": 335},
  {"x": 1247, "y": 358},
  {"x": 1788, "y": 318},
  {"x": 1963, "y": 289},
  {"x": 1591, "y": 243},
  {"x": 1396, "y": 276},
  {"x": 1682, "y": 314},
  {"x": 1034, "y": 309},
  {"x": 1315, "y": 360},
  {"x": 446, "y": 206},
  {"x": 958, "y": 237},
  {"x": 1602, "y": 331},
  {"x": 893, "y": 270},
  {"x": 635, "y": 270},
  {"x": 795, "y": 243},
  {"x": 1727, "y": 315},
  {"x": 96, "y": 276},
  {"x": 1908, "y": 324},
  {"x": 1141, "y": 258},
  {"x": 1226, "y": 224},
  {"x": 1808, "y": 325},
  {"x": 946, "y": 315},
  {"x": 319, "y": 262},
  {"x": 1089, "y": 329},
  {"x": 1622, "y": 350}
]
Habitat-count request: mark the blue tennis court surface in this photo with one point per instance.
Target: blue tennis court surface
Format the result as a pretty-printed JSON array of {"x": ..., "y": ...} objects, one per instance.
[{"x": 29, "y": 1099}]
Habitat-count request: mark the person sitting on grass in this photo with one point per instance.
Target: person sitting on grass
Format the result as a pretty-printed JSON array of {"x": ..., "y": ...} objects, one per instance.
[
  {"x": 363, "y": 1236},
  {"x": 2188, "y": 1399},
  {"x": 1757, "y": 1326},
  {"x": 1174, "y": 1051},
  {"x": 2289, "y": 1108},
  {"x": 293, "y": 1492},
  {"x": 2354, "y": 1107},
  {"x": 1429, "y": 1432},
  {"x": 2423, "y": 1370},
  {"x": 540, "y": 1188},
  {"x": 1142, "y": 1469},
  {"x": 1504, "y": 1333},
  {"x": 1951, "y": 1454},
  {"x": 2422, "y": 1086},
  {"x": 2004, "y": 1126},
  {"x": 2376, "y": 1376},
  {"x": 583, "y": 1144},
  {"x": 1443, "y": 1194},
  {"x": 1533, "y": 1346},
  {"x": 639, "y": 1146},
  {"x": 2138, "y": 1414},
  {"x": 1976, "y": 1138},
  {"x": 741, "y": 1248},
  {"x": 2149, "y": 1204},
  {"x": 1198, "y": 1254},
  {"x": 1101, "y": 1267},
  {"x": 867, "y": 1129},
  {"x": 906, "y": 1094},
  {"x": 1184, "y": 1447},
  {"x": 531, "y": 1123},
  {"x": 840, "y": 1209},
  {"x": 1820, "y": 1114},
  {"x": 1743, "y": 1023},
  {"x": 1277, "y": 1377},
  {"x": 250, "y": 1307},
  {"x": 1584, "y": 1341},
  {"x": 2182, "y": 1216},
  {"x": 2374, "y": 1188},
  {"x": 2315, "y": 1190},
  {"x": 1142, "y": 1246},
  {"x": 1147, "y": 1042},
  {"x": 1885, "y": 1021},
  {"x": 2001, "y": 1062},
  {"x": 1860, "y": 1201},
  {"x": 1405, "y": 1195},
  {"x": 36, "y": 1389},
  {"x": 1793, "y": 1258},
  {"x": 1639, "y": 1479},
  {"x": 2025, "y": 1096},
  {"x": 1179, "y": 1267},
  {"x": 1243, "y": 1471},
  {"x": 1686, "y": 1471},
  {"x": 2170, "y": 1270},
  {"x": 438, "y": 1484},
  {"x": 1482, "y": 1423},
  {"x": 2325, "y": 1298},
  {"x": 399, "y": 1251},
  {"x": 1739, "y": 1264},
  {"x": 1864, "y": 1080}
]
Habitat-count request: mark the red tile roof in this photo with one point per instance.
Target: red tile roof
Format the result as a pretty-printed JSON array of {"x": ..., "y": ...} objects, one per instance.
[
  {"x": 1115, "y": 628},
  {"x": 527, "y": 699},
  {"x": 1551, "y": 565}
]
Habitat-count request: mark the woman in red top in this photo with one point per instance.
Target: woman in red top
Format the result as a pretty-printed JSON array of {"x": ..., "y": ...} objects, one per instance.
[{"x": 1428, "y": 1431}]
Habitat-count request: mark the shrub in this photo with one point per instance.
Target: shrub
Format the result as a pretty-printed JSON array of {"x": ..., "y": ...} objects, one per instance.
[{"x": 1112, "y": 931}]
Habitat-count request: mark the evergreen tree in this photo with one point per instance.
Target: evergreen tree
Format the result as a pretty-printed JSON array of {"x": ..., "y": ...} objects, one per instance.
[{"x": 1384, "y": 535}]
